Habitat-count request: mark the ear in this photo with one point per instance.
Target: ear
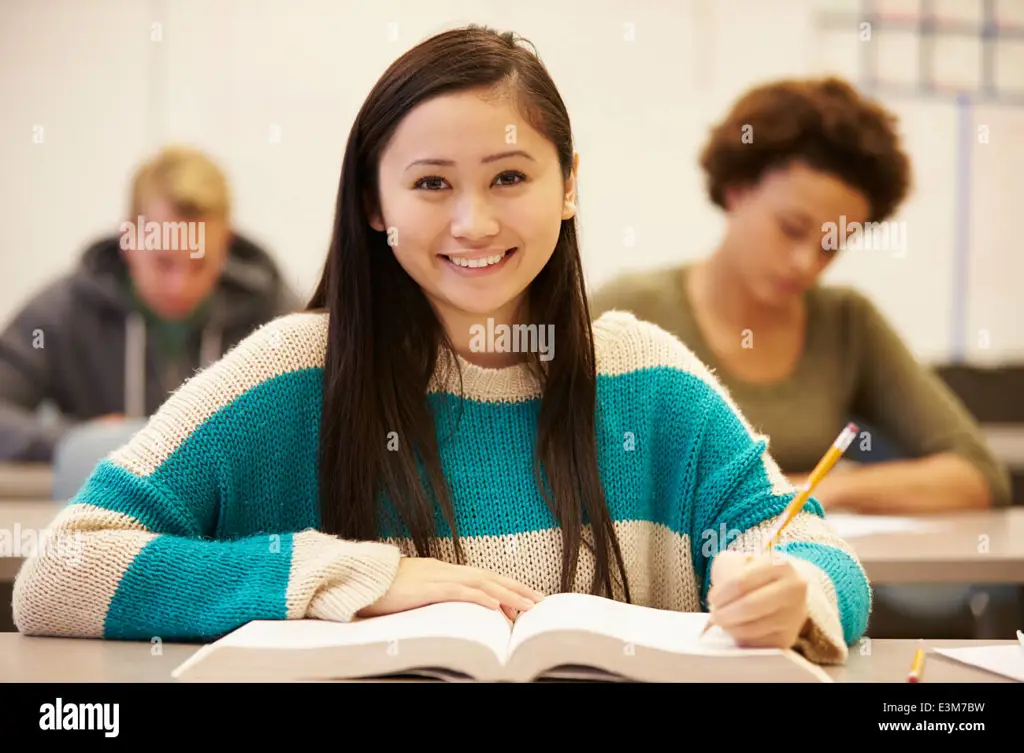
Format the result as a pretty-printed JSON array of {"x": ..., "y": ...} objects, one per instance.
[
  {"x": 569, "y": 203},
  {"x": 376, "y": 221},
  {"x": 734, "y": 196}
]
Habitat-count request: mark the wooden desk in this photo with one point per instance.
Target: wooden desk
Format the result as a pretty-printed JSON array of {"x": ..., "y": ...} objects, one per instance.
[
  {"x": 965, "y": 548},
  {"x": 25, "y": 481},
  {"x": 34, "y": 659},
  {"x": 952, "y": 554}
]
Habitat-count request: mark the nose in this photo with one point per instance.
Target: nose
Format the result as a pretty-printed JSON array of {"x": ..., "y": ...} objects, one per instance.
[
  {"x": 805, "y": 257},
  {"x": 473, "y": 218}
]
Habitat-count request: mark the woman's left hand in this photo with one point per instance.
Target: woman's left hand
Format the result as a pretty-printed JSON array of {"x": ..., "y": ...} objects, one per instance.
[{"x": 759, "y": 600}]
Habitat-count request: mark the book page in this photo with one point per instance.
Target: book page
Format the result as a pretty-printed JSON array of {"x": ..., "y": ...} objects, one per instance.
[
  {"x": 459, "y": 620},
  {"x": 678, "y": 632}
]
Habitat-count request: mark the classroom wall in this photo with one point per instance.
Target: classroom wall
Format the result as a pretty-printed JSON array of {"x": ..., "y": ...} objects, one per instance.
[{"x": 270, "y": 87}]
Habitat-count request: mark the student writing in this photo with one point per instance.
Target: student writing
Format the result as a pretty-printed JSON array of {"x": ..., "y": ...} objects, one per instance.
[
  {"x": 142, "y": 310},
  {"x": 323, "y": 467},
  {"x": 803, "y": 168}
]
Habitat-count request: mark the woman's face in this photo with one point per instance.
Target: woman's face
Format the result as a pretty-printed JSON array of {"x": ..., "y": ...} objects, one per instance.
[
  {"x": 778, "y": 230},
  {"x": 472, "y": 199}
]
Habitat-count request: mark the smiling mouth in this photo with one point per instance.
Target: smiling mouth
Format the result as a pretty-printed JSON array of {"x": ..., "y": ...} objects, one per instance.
[{"x": 483, "y": 262}]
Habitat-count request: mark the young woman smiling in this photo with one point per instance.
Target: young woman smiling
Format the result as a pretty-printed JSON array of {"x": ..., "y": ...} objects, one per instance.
[{"x": 362, "y": 458}]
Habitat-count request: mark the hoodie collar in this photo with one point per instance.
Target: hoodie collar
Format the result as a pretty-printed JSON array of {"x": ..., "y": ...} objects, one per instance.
[{"x": 249, "y": 277}]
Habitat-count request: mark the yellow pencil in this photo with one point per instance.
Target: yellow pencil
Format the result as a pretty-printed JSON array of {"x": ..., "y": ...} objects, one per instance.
[
  {"x": 917, "y": 668},
  {"x": 830, "y": 458}
]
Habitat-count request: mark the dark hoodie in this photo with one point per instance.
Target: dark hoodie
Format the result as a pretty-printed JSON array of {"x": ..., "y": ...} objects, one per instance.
[{"x": 84, "y": 345}]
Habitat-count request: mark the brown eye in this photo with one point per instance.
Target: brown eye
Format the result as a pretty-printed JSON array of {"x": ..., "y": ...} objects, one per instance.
[
  {"x": 512, "y": 174},
  {"x": 433, "y": 180}
]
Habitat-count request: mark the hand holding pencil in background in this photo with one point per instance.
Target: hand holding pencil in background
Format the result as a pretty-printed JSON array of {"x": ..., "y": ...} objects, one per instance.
[{"x": 761, "y": 600}]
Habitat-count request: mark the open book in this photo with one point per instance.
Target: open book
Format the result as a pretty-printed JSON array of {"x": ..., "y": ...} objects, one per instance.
[{"x": 564, "y": 637}]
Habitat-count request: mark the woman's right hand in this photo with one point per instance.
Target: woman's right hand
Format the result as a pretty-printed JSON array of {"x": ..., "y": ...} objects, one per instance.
[{"x": 421, "y": 581}]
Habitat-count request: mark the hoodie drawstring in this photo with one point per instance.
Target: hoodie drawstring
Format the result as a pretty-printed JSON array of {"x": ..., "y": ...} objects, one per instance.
[
  {"x": 135, "y": 362},
  {"x": 135, "y": 366},
  {"x": 209, "y": 351}
]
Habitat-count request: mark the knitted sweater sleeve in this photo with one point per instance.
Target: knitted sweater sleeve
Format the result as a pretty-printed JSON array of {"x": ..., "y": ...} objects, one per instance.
[
  {"x": 138, "y": 553},
  {"x": 734, "y": 493}
]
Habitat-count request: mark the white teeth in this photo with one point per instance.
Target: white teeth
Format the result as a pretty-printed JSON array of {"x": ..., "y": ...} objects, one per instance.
[{"x": 474, "y": 263}]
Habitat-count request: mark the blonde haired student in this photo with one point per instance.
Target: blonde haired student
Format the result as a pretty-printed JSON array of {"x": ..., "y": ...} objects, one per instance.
[
  {"x": 375, "y": 453},
  {"x": 173, "y": 290}
]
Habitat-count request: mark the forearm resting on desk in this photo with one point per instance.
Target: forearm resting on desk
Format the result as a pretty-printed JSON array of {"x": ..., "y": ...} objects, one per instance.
[
  {"x": 103, "y": 574},
  {"x": 940, "y": 483}
]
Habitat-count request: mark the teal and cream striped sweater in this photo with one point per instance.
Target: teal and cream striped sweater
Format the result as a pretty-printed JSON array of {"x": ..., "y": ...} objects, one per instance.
[{"x": 208, "y": 518}]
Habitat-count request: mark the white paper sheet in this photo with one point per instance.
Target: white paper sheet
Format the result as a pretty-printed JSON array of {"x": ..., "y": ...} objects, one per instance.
[
  {"x": 851, "y": 525},
  {"x": 1006, "y": 660}
]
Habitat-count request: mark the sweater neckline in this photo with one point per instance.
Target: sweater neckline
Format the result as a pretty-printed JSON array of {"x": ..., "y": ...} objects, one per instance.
[{"x": 509, "y": 384}]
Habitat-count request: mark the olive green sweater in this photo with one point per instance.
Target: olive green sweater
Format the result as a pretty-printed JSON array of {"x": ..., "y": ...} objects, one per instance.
[{"x": 854, "y": 367}]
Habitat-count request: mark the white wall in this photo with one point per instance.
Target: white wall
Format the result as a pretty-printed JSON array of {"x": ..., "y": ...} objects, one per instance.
[{"x": 111, "y": 80}]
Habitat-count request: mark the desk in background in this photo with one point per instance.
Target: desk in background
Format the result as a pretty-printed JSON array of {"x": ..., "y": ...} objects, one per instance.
[
  {"x": 25, "y": 481},
  {"x": 1006, "y": 443},
  {"x": 962, "y": 548}
]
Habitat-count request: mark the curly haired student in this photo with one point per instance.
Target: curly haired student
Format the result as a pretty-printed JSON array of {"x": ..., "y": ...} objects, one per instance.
[
  {"x": 373, "y": 453},
  {"x": 806, "y": 170}
]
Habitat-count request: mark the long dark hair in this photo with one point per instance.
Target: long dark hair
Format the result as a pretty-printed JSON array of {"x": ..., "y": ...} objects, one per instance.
[{"x": 384, "y": 338}]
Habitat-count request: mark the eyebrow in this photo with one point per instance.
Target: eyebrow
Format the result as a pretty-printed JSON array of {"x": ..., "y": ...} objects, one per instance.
[{"x": 484, "y": 161}]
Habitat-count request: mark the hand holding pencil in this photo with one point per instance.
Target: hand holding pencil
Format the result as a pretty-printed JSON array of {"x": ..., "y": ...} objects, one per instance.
[{"x": 760, "y": 600}]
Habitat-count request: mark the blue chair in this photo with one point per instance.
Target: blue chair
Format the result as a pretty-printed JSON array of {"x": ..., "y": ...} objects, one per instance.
[{"x": 82, "y": 448}]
